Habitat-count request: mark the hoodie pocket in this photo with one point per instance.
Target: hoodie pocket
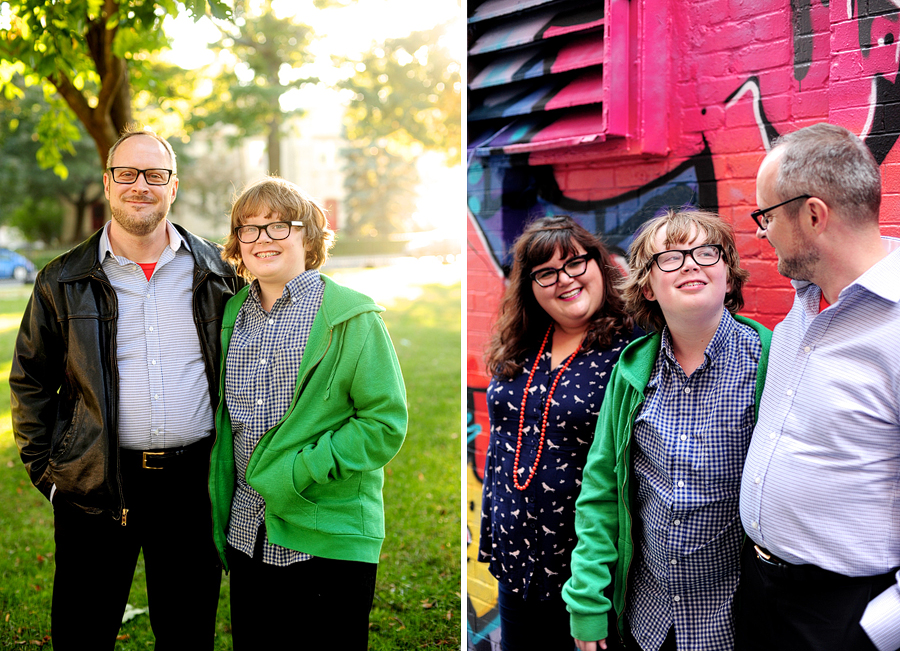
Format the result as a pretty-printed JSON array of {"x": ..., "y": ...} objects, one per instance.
[{"x": 333, "y": 508}]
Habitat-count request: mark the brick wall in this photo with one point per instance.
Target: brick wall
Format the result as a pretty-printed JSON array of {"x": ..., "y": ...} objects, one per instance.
[{"x": 716, "y": 81}]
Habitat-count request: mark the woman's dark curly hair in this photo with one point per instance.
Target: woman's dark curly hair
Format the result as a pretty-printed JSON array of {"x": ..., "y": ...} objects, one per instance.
[{"x": 522, "y": 322}]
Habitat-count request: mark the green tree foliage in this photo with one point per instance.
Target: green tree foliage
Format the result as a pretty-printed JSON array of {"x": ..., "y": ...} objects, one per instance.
[
  {"x": 93, "y": 54},
  {"x": 381, "y": 191},
  {"x": 406, "y": 99},
  {"x": 34, "y": 196},
  {"x": 407, "y": 90},
  {"x": 269, "y": 53}
]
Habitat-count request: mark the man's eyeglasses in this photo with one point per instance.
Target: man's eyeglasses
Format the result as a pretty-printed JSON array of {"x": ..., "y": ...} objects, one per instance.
[
  {"x": 275, "y": 230},
  {"x": 131, "y": 174},
  {"x": 548, "y": 276},
  {"x": 705, "y": 255},
  {"x": 759, "y": 216}
]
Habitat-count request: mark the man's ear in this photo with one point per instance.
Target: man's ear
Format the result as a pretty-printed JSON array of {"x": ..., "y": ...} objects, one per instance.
[{"x": 816, "y": 214}]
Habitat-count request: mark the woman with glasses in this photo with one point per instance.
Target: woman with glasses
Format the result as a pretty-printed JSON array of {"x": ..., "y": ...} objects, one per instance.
[
  {"x": 658, "y": 528},
  {"x": 560, "y": 329},
  {"x": 312, "y": 408}
]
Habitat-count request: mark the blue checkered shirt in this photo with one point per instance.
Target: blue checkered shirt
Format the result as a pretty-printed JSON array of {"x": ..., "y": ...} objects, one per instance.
[
  {"x": 690, "y": 439},
  {"x": 260, "y": 377}
]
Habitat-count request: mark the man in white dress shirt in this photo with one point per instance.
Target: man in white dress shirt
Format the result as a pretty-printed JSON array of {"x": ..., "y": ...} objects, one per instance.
[{"x": 820, "y": 491}]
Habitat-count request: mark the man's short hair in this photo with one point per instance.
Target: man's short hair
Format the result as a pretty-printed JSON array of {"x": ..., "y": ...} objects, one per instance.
[
  {"x": 831, "y": 163},
  {"x": 681, "y": 225},
  {"x": 275, "y": 195},
  {"x": 135, "y": 129}
]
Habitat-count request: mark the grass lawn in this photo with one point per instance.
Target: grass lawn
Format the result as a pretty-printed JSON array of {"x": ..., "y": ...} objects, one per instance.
[{"x": 417, "y": 597}]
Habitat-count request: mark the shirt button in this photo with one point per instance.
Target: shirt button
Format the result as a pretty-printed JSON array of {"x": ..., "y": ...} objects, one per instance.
[
  {"x": 151, "y": 328},
  {"x": 754, "y": 524},
  {"x": 676, "y": 598},
  {"x": 790, "y": 392},
  {"x": 684, "y": 437},
  {"x": 153, "y": 362},
  {"x": 680, "y": 484},
  {"x": 687, "y": 389},
  {"x": 262, "y": 360},
  {"x": 758, "y": 480},
  {"x": 271, "y": 321},
  {"x": 149, "y": 295},
  {"x": 259, "y": 401},
  {"x": 772, "y": 435},
  {"x": 156, "y": 396},
  {"x": 676, "y": 522},
  {"x": 806, "y": 349},
  {"x": 674, "y": 562}
]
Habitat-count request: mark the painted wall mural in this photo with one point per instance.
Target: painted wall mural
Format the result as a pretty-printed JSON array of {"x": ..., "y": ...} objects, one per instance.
[{"x": 712, "y": 85}]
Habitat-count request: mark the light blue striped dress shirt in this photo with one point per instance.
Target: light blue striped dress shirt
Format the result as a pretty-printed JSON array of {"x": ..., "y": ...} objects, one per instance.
[
  {"x": 163, "y": 390},
  {"x": 821, "y": 483}
]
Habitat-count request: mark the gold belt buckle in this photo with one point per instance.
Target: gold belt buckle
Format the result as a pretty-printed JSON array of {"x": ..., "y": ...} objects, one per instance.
[
  {"x": 149, "y": 454},
  {"x": 763, "y": 555}
]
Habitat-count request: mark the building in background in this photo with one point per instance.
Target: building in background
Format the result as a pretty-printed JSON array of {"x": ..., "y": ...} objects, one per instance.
[
  {"x": 217, "y": 171},
  {"x": 612, "y": 110}
]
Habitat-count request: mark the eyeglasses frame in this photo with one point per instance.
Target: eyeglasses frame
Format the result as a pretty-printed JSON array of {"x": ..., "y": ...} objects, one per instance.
[
  {"x": 112, "y": 175},
  {"x": 587, "y": 257},
  {"x": 684, "y": 255},
  {"x": 265, "y": 227},
  {"x": 758, "y": 214}
]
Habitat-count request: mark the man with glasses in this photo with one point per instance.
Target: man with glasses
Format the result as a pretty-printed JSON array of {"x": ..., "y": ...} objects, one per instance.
[
  {"x": 819, "y": 491},
  {"x": 657, "y": 518},
  {"x": 114, "y": 385}
]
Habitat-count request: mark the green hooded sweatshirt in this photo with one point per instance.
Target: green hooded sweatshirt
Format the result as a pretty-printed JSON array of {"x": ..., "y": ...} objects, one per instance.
[{"x": 320, "y": 468}]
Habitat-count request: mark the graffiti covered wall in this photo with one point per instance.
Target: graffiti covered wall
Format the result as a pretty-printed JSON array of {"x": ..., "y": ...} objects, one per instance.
[{"x": 678, "y": 105}]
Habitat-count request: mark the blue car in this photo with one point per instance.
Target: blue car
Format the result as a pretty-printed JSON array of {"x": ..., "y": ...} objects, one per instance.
[{"x": 16, "y": 266}]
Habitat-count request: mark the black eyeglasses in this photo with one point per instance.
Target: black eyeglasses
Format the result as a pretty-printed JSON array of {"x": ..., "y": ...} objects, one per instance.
[
  {"x": 548, "y": 276},
  {"x": 705, "y": 255},
  {"x": 131, "y": 174},
  {"x": 275, "y": 230},
  {"x": 759, "y": 216}
]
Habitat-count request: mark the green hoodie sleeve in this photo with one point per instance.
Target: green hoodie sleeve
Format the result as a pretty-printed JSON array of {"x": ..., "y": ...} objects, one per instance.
[
  {"x": 597, "y": 521},
  {"x": 370, "y": 438}
]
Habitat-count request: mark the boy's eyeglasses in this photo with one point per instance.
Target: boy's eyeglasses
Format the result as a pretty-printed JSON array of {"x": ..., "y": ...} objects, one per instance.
[
  {"x": 705, "y": 255},
  {"x": 276, "y": 230}
]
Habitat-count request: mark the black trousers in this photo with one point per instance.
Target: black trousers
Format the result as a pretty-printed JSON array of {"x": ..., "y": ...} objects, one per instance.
[
  {"x": 169, "y": 518},
  {"x": 531, "y": 623},
  {"x": 802, "y": 607},
  {"x": 277, "y": 607}
]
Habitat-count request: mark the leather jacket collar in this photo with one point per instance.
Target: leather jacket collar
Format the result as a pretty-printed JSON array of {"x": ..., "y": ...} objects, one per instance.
[{"x": 83, "y": 260}]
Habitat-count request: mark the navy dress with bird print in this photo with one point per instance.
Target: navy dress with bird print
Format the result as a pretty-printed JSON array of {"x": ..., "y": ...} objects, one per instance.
[{"x": 528, "y": 536}]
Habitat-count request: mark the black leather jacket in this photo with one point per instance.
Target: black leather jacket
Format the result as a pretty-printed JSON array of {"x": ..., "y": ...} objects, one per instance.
[{"x": 64, "y": 378}]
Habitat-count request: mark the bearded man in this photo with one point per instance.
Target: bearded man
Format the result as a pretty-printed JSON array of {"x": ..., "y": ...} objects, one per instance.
[{"x": 114, "y": 385}]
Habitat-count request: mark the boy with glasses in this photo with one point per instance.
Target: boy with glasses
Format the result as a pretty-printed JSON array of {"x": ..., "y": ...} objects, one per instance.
[
  {"x": 313, "y": 407},
  {"x": 657, "y": 519}
]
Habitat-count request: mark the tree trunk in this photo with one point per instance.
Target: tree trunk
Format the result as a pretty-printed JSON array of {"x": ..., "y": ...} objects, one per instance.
[{"x": 274, "y": 144}]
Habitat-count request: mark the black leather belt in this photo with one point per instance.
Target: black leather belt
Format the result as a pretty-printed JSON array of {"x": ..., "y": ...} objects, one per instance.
[{"x": 162, "y": 459}]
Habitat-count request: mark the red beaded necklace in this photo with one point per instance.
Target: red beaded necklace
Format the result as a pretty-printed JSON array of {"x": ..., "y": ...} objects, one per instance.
[{"x": 546, "y": 413}]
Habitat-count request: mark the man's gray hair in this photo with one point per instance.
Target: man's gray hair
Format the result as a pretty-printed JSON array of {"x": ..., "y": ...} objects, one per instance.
[{"x": 833, "y": 164}]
